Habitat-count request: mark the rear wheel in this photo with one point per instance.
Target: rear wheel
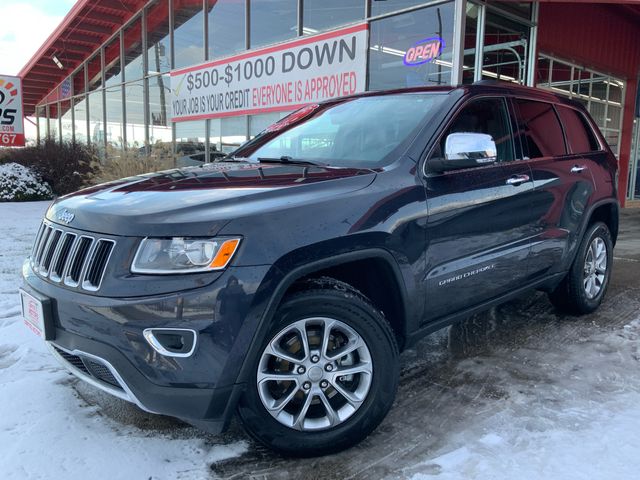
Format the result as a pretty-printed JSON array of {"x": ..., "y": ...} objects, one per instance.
[
  {"x": 326, "y": 375},
  {"x": 584, "y": 287}
]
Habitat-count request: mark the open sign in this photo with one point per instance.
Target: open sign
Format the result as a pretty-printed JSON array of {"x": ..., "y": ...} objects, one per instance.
[{"x": 424, "y": 51}]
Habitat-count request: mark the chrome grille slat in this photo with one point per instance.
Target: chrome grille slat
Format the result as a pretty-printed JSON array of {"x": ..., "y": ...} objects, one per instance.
[
  {"x": 50, "y": 251},
  {"x": 77, "y": 260},
  {"x": 43, "y": 242}
]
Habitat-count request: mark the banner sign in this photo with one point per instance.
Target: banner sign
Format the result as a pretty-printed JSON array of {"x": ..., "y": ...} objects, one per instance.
[
  {"x": 11, "y": 120},
  {"x": 277, "y": 78}
]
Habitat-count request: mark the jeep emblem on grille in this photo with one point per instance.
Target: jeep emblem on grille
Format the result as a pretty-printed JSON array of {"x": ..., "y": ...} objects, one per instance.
[{"x": 65, "y": 216}]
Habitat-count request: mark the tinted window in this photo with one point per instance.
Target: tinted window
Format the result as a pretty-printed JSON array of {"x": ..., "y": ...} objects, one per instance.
[
  {"x": 489, "y": 116},
  {"x": 579, "y": 134},
  {"x": 540, "y": 130}
]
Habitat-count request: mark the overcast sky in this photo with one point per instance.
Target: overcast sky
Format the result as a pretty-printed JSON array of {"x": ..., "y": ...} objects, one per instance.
[{"x": 26, "y": 24}]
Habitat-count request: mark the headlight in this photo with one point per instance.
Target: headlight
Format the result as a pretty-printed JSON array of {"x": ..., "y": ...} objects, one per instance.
[{"x": 183, "y": 255}]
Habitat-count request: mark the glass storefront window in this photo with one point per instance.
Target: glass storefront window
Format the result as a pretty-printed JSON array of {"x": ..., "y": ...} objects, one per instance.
[
  {"x": 66, "y": 121},
  {"x": 96, "y": 118},
  {"x": 190, "y": 142},
  {"x": 233, "y": 133},
  {"x": 158, "y": 40},
  {"x": 215, "y": 147},
  {"x": 188, "y": 34},
  {"x": 581, "y": 82},
  {"x": 506, "y": 49},
  {"x": 391, "y": 38},
  {"x": 521, "y": 9},
  {"x": 159, "y": 109},
  {"x": 94, "y": 69},
  {"x": 115, "y": 133},
  {"x": 379, "y": 7},
  {"x": 319, "y": 15},
  {"x": 561, "y": 76},
  {"x": 133, "y": 64},
  {"x": 112, "y": 73},
  {"x": 52, "y": 115},
  {"x": 78, "y": 82},
  {"x": 273, "y": 21},
  {"x": 226, "y": 27},
  {"x": 80, "y": 119},
  {"x": 41, "y": 114},
  {"x": 134, "y": 108}
]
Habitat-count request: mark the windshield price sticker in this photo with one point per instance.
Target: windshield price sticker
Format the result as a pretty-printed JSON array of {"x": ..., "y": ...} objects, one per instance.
[
  {"x": 278, "y": 78},
  {"x": 11, "y": 119}
]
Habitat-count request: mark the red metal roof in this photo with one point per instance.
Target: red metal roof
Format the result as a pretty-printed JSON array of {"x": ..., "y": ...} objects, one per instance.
[{"x": 89, "y": 24}]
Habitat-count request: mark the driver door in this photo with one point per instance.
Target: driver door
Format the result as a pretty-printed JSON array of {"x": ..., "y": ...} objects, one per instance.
[{"x": 479, "y": 230}]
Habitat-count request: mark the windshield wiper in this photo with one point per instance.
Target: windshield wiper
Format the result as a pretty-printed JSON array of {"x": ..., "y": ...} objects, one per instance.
[
  {"x": 289, "y": 160},
  {"x": 230, "y": 158}
]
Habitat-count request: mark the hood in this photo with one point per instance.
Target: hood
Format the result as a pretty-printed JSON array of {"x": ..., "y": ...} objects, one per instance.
[{"x": 199, "y": 201}]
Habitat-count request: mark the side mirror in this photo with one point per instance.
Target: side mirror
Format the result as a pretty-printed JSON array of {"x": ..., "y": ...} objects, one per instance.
[{"x": 465, "y": 150}]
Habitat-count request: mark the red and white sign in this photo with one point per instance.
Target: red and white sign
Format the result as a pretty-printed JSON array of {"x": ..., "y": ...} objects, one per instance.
[
  {"x": 11, "y": 119},
  {"x": 277, "y": 78},
  {"x": 32, "y": 313}
]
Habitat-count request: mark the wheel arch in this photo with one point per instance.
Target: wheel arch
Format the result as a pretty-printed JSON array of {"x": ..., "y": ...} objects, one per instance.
[{"x": 324, "y": 267}]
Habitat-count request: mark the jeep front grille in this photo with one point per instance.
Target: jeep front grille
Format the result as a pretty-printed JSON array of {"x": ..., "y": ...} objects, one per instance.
[{"x": 77, "y": 260}]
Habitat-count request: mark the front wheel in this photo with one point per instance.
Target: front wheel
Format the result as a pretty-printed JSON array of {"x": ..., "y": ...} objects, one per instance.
[
  {"x": 326, "y": 375},
  {"x": 584, "y": 287}
]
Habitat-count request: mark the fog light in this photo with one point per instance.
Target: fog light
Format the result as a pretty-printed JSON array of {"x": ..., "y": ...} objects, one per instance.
[{"x": 172, "y": 342}]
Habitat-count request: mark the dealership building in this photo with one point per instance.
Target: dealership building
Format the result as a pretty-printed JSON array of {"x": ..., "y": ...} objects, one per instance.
[{"x": 199, "y": 77}]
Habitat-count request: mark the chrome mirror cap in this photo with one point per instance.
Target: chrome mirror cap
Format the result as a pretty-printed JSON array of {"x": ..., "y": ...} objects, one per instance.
[{"x": 478, "y": 148}]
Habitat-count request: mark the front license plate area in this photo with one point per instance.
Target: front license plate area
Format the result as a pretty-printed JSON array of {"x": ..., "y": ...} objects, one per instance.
[{"x": 36, "y": 313}]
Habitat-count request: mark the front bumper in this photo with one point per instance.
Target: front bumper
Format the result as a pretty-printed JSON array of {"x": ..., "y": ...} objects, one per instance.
[{"x": 101, "y": 341}]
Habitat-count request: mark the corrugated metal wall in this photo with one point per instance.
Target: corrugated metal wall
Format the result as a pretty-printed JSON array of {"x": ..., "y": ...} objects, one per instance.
[{"x": 605, "y": 37}]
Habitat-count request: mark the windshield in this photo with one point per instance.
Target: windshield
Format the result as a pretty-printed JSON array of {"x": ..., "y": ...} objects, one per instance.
[{"x": 362, "y": 132}]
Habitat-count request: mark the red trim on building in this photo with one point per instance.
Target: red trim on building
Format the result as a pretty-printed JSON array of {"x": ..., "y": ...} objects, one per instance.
[{"x": 85, "y": 28}]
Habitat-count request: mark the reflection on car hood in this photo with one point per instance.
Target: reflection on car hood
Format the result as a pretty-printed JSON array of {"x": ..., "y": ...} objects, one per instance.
[{"x": 201, "y": 200}]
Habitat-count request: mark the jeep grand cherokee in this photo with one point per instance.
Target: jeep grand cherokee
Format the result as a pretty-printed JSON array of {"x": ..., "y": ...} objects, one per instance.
[{"x": 282, "y": 281}]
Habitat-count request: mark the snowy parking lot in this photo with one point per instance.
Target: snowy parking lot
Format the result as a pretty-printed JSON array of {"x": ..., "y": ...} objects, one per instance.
[{"x": 516, "y": 393}]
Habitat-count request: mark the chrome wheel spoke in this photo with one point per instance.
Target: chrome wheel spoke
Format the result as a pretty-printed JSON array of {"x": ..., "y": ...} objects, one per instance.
[
  {"x": 350, "y": 347},
  {"x": 304, "y": 339},
  {"x": 353, "y": 370},
  {"x": 351, "y": 397},
  {"x": 298, "y": 423},
  {"x": 277, "y": 377},
  {"x": 277, "y": 352},
  {"x": 281, "y": 403},
  {"x": 326, "y": 334},
  {"x": 332, "y": 415}
]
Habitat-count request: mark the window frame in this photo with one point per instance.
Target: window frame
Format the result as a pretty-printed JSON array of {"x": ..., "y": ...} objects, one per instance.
[{"x": 426, "y": 157}]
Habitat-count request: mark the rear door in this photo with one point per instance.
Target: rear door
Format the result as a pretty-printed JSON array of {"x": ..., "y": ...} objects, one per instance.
[
  {"x": 562, "y": 180},
  {"x": 479, "y": 227}
]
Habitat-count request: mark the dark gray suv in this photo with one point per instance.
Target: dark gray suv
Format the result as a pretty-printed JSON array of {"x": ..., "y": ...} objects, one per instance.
[{"x": 282, "y": 281}]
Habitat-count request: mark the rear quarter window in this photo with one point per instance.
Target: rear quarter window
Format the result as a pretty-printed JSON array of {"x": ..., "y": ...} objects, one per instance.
[
  {"x": 579, "y": 134},
  {"x": 539, "y": 129}
]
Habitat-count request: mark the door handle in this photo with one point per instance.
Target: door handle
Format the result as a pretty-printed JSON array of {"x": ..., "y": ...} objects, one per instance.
[
  {"x": 578, "y": 168},
  {"x": 517, "y": 180}
]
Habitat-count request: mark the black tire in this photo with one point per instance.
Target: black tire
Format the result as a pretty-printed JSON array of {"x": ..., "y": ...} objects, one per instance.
[
  {"x": 570, "y": 296},
  {"x": 329, "y": 298}
]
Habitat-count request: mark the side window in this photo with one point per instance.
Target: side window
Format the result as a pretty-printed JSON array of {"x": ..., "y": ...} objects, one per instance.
[
  {"x": 540, "y": 130},
  {"x": 485, "y": 115},
  {"x": 580, "y": 137}
]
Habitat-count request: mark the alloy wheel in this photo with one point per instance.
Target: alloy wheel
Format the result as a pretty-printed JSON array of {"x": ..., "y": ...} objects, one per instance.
[{"x": 314, "y": 374}]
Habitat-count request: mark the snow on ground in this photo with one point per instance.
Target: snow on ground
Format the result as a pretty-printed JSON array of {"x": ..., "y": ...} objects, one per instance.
[
  {"x": 47, "y": 430},
  {"x": 544, "y": 396}
]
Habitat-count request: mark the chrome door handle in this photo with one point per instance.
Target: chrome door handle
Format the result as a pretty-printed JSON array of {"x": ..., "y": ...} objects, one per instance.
[
  {"x": 578, "y": 168},
  {"x": 517, "y": 180}
]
